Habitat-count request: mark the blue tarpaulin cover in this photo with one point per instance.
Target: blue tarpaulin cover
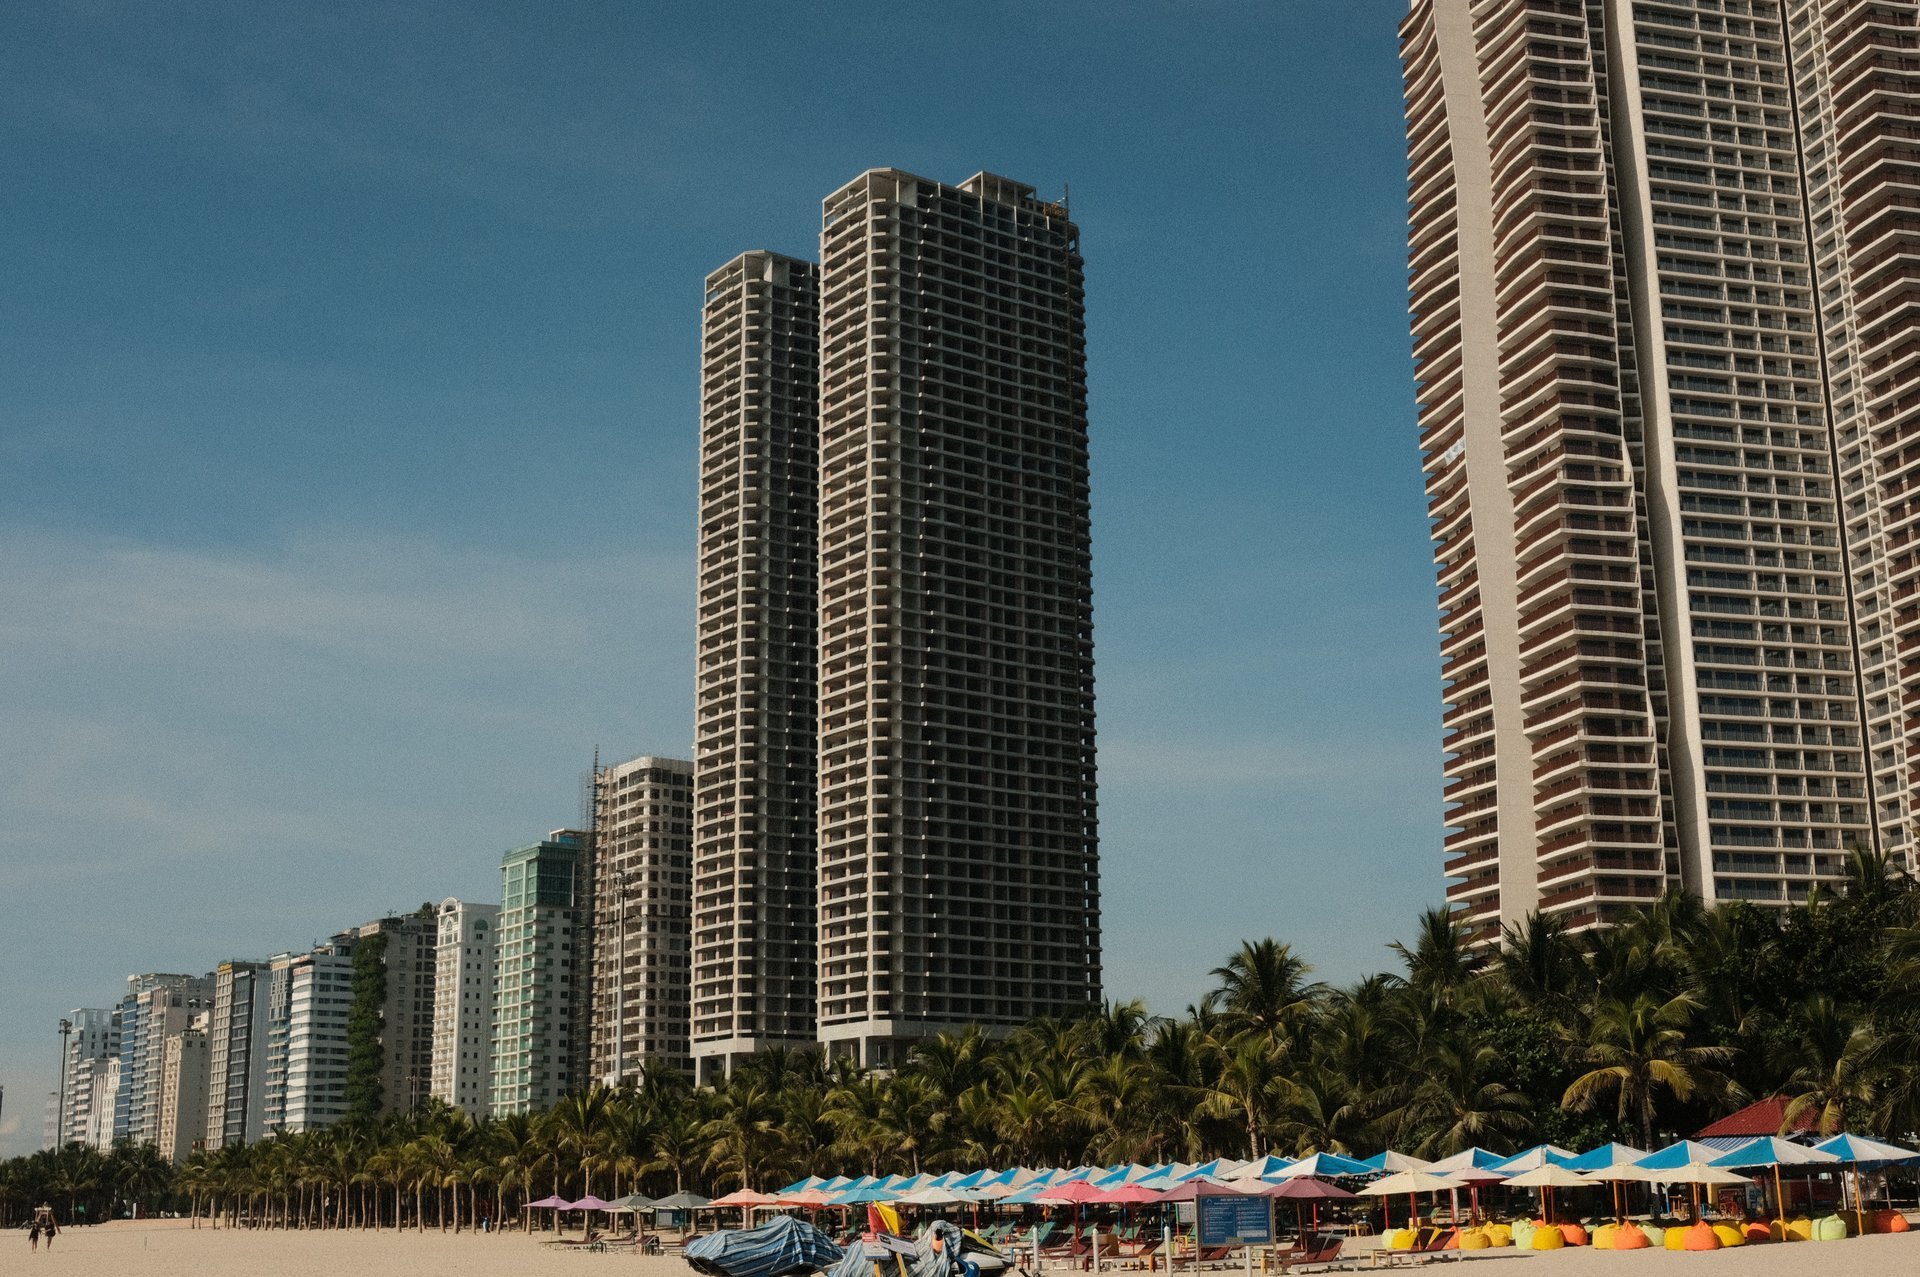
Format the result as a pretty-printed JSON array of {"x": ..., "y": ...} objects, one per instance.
[{"x": 786, "y": 1245}]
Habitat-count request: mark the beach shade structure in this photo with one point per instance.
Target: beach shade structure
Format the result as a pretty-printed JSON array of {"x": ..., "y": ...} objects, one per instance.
[
  {"x": 1771, "y": 1150},
  {"x": 629, "y": 1204},
  {"x": 1303, "y": 1191},
  {"x": 1678, "y": 1154},
  {"x": 1599, "y": 1159},
  {"x": 589, "y": 1202},
  {"x": 1410, "y": 1183},
  {"x": 1471, "y": 1159},
  {"x": 1536, "y": 1157},
  {"x": 1695, "y": 1174},
  {"x": 930, "y": 1196},
  {"x": 1473, "y": 1178},
  {"x": 550, "y": 1203},
  {"x": 1261, "y": 1167},
  {"x": 862, "y": 1196},
  {"x": 1204, "y": 1186},
  {"x": 682, "y": 1201},
  {"x": 1857, "y": 1151},
  {"x": 1393, "y": 1163},
  {"x": 811, "y": 1198},
  {"x": 1129, "y": 1195},
  {"x": 1546, "y": 1179},
  {"x": 1861, "y": 1151},
  {"x": 1323, "y": 1166}
]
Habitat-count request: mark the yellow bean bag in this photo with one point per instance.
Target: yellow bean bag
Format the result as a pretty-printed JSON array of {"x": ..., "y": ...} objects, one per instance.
[
  {"x": 1729, "y": 1235},
  {"x": 1799, "y": 1230},
  {"x": 1698, "y": 1237},
  {"x": 1401, "y": 1239},
  {"x": 1475, "y": 1239},
  {"x": 1631, "y": 1237},
  {"x": 1499, "y": 1234},
  {"x": 1547, "y": 1239},
  {"x": 1603, "y": 1237},
  {"x": 1676, "y": 1238}
]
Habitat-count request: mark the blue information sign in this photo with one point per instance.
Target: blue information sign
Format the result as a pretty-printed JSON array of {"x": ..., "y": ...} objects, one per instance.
[{"x": 1233, "y": 1220}]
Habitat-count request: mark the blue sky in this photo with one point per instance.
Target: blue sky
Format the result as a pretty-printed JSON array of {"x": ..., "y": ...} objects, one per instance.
[{"x": 347, "y": 446}]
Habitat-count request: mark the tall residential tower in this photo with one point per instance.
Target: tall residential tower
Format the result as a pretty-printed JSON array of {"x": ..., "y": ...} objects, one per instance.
[
  {"x": 1660, "y": 254},
  {"x": 753, "y": 837},
  {"x": 958, "y": 862}
]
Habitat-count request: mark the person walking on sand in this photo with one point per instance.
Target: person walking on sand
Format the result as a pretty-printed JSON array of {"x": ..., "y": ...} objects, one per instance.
[
  {"x": 51, "y": 1230},
  {"x": 34, "y": 1236}
]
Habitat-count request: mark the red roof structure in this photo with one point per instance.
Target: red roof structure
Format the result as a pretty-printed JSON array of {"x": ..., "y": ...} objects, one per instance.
[{"x": 1763, "y": 1117}]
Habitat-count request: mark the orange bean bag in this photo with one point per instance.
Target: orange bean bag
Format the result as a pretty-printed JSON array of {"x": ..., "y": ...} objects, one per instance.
[
  {"x": 1574, "y": 1234},
  {"x": 1759, "y": 1232},
  {"x": 1630, "y": 1237},
  {"x": 1890, "y": 1221},
  {"x": 1700, "y": 1237}
]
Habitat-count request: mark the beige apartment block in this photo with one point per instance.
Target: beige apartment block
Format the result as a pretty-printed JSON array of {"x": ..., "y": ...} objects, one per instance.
[
  {"x": 1659, "y": 260},
  {"x": 183, "y": 1090},
  {"x": 642, "y": 866},
  {"x": 753, "y": 836},
  {"x": 958, "y": 871}
]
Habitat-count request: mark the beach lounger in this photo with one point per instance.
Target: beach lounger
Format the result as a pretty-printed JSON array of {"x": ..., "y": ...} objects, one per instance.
[{"x": 1313, "y": 1250}]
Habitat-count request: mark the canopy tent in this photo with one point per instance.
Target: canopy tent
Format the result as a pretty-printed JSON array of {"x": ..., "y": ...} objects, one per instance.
[
  {"x": 550, "y": 1203},
  {"x": 1679, "y": 1154},
  {"x": 589, "y": 1202},
  {"x": 1261, "y": 1167},
  {"x": 1599, "y": 1159},
  {"x": 1323, "y": 1166},
  {"x": 931, "y": 1196},
  {"x": 1861, "y": 1151},
  {"x": 1471, "y": 1159},
  {"x": 1771, "y": 1150},
  {"x": 1534, "y": 1158},
  {"x": 1393, "y": 1162},
  {"x": 1857, "y": 1151}
]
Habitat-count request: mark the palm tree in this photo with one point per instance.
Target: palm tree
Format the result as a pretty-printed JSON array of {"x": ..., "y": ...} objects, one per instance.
[
  {"x": 1251, "y": 1084},
  {"x": 1462, "y": 1099},
  {"x": 1439, "y": 963},
  {"x": 1638, "y": 1049},
  {"x": 1831, "y": 1054},
  {"x": 743, "y": 1132},
  {"x": 1263, "y": 987}
]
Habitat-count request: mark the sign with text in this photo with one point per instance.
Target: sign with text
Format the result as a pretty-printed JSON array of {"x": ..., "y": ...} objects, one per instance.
[{"x": 1233, "y": 1220}]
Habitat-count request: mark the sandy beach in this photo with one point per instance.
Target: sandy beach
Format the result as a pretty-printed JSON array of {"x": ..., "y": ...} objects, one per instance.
[{"x": 168, "y": 1248}]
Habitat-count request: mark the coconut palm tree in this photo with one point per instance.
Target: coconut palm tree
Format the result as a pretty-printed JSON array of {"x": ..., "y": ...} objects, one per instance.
[{"x": 1638, "y": 1049}]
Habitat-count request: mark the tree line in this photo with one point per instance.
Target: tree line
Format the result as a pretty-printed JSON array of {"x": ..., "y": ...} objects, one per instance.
[{"x": 1641, "y": 1032}]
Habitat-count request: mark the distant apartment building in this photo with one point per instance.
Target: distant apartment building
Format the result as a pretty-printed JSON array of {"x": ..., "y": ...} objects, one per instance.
[
  {"x": 539, "y": 1033},
  {"x": 755, "y": 892},
  {"x": 162, "y": 1005},
  {"x": 308, "y": 1000},
  {"x": 183, "y": 1090},
  {"x": 407, "y": 948},
  {"x": 237, "y": 1054},
  {"x": 642, "y": 867},
  {"x": 463, "y": 976},
  {"x": 1659, "y": 255},
  {"x": 92, "y": 1039},
  {"x": 101, "y": 1078}
]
